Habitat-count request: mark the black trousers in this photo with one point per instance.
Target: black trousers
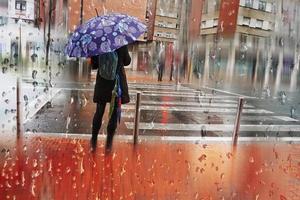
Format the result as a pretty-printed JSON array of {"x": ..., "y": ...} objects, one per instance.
[{"x": 112, "y": 123}]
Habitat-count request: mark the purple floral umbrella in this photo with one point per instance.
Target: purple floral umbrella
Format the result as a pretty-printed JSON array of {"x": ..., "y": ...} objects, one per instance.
[{"x": 104, "y": 34}]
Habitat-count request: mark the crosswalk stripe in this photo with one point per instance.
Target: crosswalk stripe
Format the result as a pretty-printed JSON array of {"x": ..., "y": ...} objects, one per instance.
[
  {"x": 196, "y": 101},
  {"x": 285, "y": 118},
  {"x": 231, "y": 93},
  {"x": 153, "y": 86},
  {"x": 207, "y": 96},
  {"x": 231, "y": 118},
  {"x": 213, "y": 127},
  {"x": 197, "y": 109},
  {"x": 184, "y": 103},
  {"x": 166, "y": 92}
]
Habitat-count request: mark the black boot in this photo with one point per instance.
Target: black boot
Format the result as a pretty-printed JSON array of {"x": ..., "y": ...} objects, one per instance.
[
  {"x": 109, "y": 141},
  {"x": 93, "y": 143}
]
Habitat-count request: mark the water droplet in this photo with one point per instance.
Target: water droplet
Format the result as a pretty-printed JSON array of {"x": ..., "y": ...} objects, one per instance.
[
  {"x": 6, "y": 111},
  {"x": 4, "y": 70},
  {"x": 229, "y": 155},
  {"x": 202, "y": 157},
  {"x": 35, "y": 163},
  {"x": 179, "y": 151},
  {"x": 3, "y": 94},
  {"x": 33, "y": 188},
  {"x": 222, "y": 175},
  {"x": 282, "y": 197},
  {"x": 35, "y": 83},
  {"x": 25, "y": 98},
  {"x": 251, "y": 160},
  {"x": 81, "y": 167},
  {"x": 68, "y": 122},
  {"x": 7, "y": 184},
  {"x": 68, "y": 170},
  {"x": 34, "y": 73}
]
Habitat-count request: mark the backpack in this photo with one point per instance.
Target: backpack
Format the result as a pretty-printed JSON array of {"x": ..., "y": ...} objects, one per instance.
[{"x": 107, "y": 65}]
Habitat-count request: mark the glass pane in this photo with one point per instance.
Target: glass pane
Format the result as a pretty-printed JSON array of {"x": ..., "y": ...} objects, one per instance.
[{"x": 150, "y": 96}]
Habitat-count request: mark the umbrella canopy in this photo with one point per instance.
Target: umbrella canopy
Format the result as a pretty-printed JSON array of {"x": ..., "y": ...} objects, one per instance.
[{"x": 104, "y": 34}]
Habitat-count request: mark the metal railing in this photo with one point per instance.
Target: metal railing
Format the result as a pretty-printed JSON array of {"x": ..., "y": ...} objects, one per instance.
[
  {"x": 137, "y": 118},
  {"x": 235, "y": 134}
]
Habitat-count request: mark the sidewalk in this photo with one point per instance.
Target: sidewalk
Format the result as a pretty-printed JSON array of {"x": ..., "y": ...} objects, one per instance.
[{"x": 56, "y": 167}]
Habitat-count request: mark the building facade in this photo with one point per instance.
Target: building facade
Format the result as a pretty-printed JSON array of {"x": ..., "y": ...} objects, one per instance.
[{"x": 24, "y": 30}]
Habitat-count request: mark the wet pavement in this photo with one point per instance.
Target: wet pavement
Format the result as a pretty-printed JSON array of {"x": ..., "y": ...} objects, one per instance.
[{"x": 47, "y": 166}]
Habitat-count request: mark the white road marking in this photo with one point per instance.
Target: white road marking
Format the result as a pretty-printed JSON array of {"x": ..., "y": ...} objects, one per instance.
[
  {"x": 228, "y": 118},
  {"x": 166, "y": 92},
  {"x": 161, "y": 88},
  {"x": 285, "y": 118},
  {"x": 196, "y": 109},
  {"x": 184, "y": 103},
  {"x": 232, "y": 93},
  {"x": 207, "y": 96},
  {"x": 213, "y": 127},
  {"x": 153, "y": 86}
]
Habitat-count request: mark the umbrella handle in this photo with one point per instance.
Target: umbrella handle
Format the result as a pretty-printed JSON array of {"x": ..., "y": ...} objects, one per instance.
[{"x": 97, "y": 12}]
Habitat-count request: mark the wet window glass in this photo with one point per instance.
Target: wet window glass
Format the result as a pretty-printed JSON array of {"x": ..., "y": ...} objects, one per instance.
[{"x": 145, "y": 99}]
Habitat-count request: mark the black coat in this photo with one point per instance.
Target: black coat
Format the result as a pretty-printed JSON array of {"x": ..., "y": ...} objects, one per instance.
[{"x": 104, "y": 88}]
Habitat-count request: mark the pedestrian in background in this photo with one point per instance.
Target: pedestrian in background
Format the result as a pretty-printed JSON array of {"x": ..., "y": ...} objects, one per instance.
[
  {"x": 161, "y": 64},
  {"x": 172, "y": 67},
  {"x": 104, "y": 93}
]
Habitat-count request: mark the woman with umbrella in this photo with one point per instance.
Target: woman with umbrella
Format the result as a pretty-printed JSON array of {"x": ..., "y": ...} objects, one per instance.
[
  {"x": 103, "y": 37},
  {"x": 104, "y": 93}
]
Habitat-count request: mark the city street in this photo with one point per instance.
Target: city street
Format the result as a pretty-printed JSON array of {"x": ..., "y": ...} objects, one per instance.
[{"x": 166, "y": 110}]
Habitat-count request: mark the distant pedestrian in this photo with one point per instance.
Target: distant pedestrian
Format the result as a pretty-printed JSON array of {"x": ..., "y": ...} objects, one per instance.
[
  {"x": 172, "y": 68},
  {"x": 113, "y": 90},
  {"x": 161, "y": 64}
]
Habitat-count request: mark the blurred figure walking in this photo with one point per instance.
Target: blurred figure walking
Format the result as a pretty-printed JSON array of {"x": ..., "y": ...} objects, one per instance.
[{"x": 161, "y": 64}]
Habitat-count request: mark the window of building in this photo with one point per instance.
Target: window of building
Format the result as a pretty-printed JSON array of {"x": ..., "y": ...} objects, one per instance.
[
  {"x": 216, "y": 22},
  {"x": 169, "y": 35},
  {"x": 210, "y": 23},
  {"x": 262, "y": 5},
  {"x": 159, "y": 34},
  {"x": 217, "y": 5},
  {"x": 203, "y": 24},
  {"x": 266, "y": 25},
  {"x": 205, "y": 7},
  {"x": 3, "y": 20},
  {"x": 20, "y": 5},
  {"x": 259, "y": 23},
  {"x": 249, "y": 3},
  {"x": 246, "y": 21},
  {"x": 160, "y": 23}
]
